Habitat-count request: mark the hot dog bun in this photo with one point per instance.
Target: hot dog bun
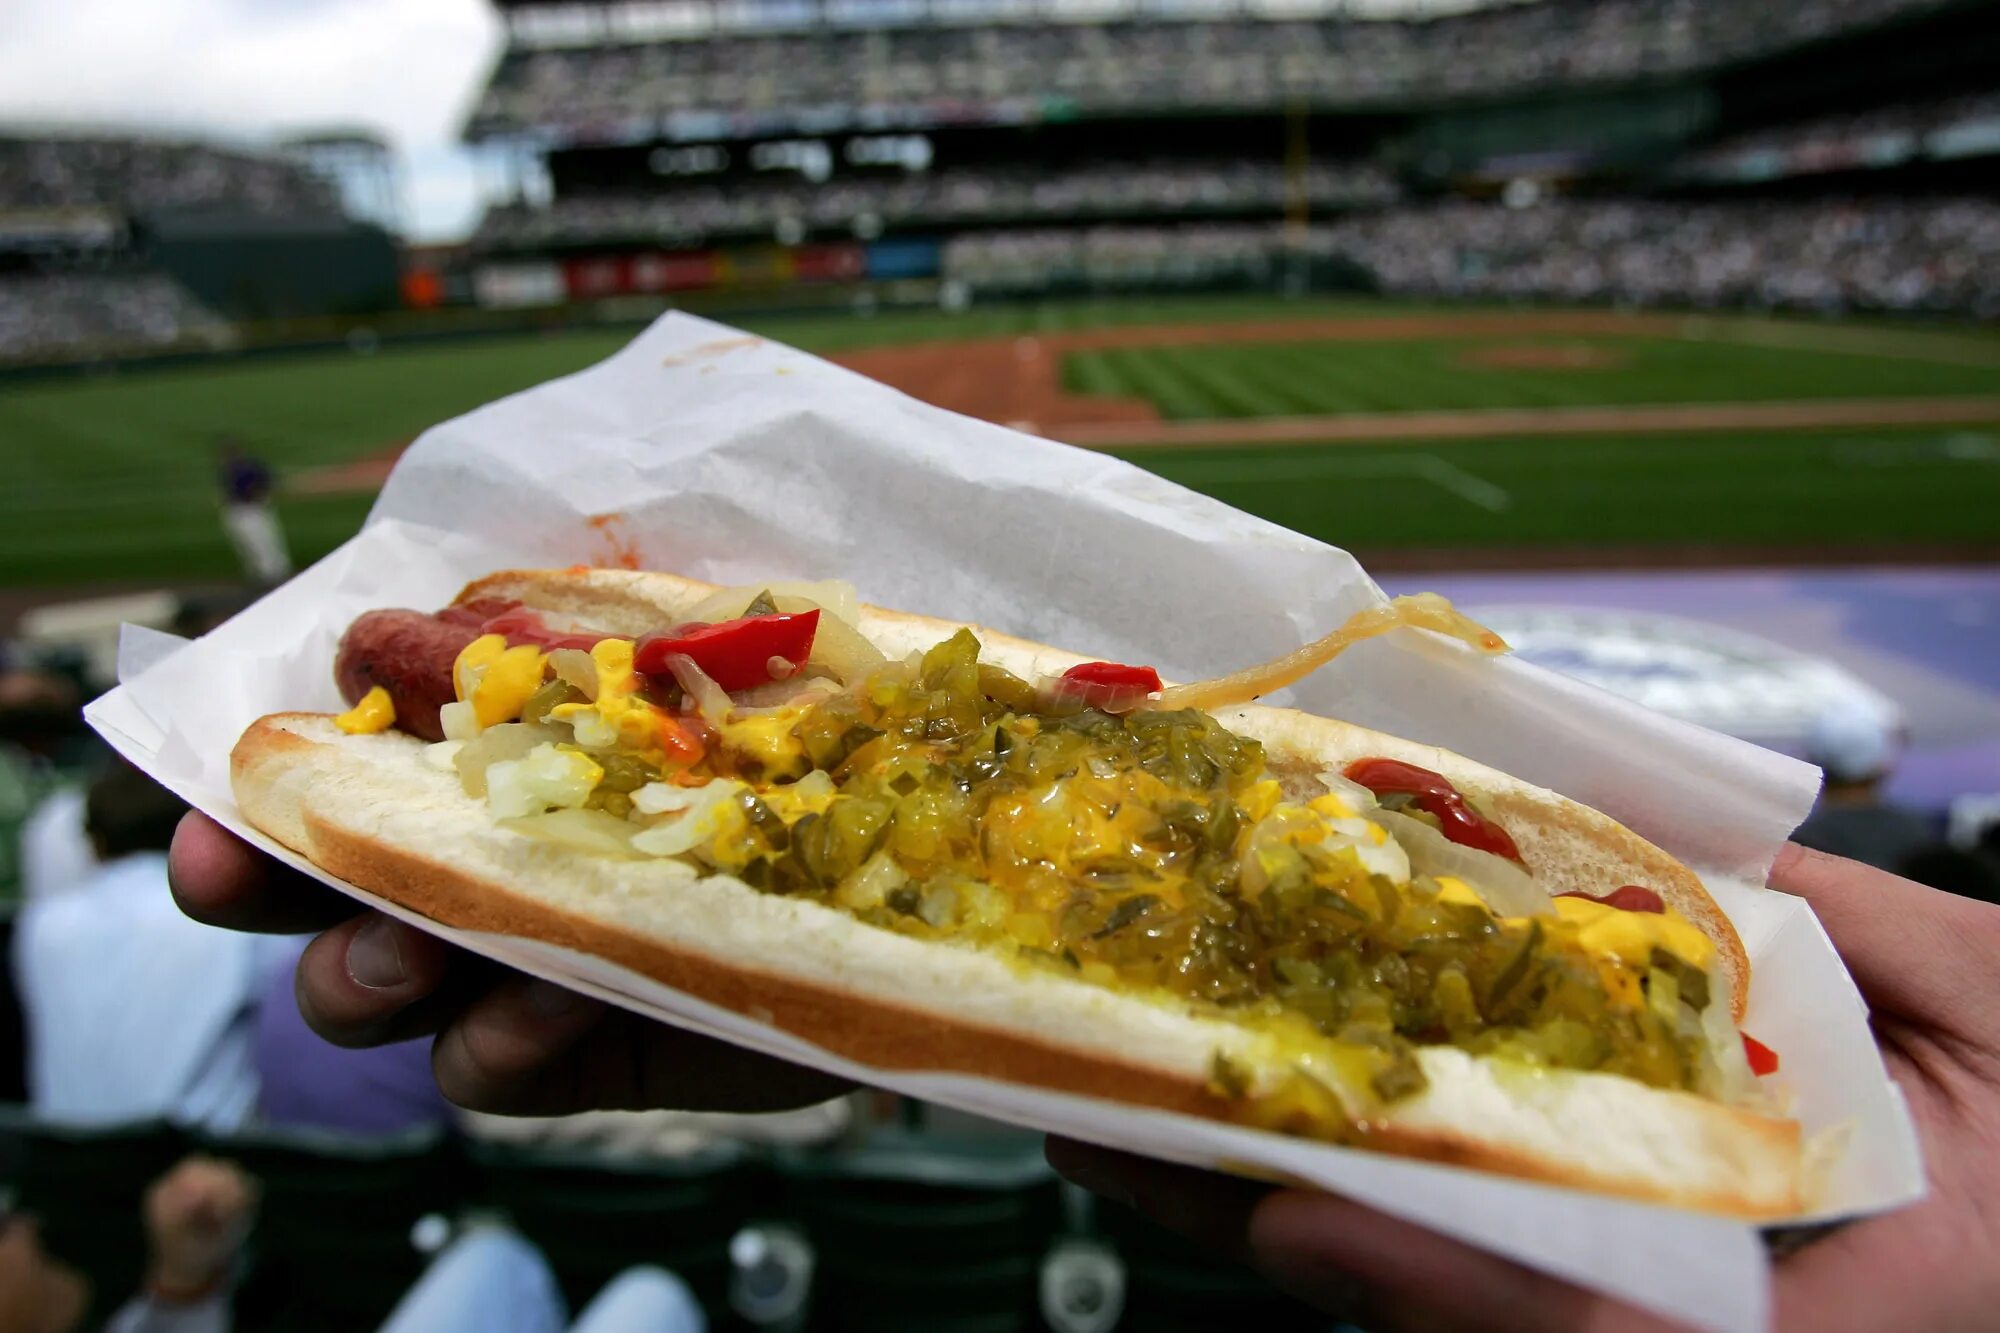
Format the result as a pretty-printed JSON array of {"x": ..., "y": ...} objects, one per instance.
[{"x": 369, "y": 809}]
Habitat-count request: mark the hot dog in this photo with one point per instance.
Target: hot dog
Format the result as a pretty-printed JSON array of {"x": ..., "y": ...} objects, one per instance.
[{"x": 922, "y": 845}]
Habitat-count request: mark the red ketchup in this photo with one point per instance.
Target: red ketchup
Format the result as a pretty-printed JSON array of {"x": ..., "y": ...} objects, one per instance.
[
  {"x": 1628, "y": 898},
  {"x": 1438, "y": 799}
]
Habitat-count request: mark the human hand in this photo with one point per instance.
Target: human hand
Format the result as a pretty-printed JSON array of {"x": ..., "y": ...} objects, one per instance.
[
  {"x": 197, "y": 1217},
  {"x": 505, "y": 1043},
  {"x": 1927, "y": 963}
]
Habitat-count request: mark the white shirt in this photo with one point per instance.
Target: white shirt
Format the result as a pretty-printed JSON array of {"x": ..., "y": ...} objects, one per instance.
[
  {"x": 55, "y": 849},
  {"x": 133, "y": 1010}
]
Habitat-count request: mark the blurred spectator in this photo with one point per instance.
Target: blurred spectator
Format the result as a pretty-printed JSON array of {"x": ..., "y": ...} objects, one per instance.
[
  {"x": 55, "y": 845},
  {"x": 245, "y": 484},
  {"x": 306, "y": 1082},
  {"x": 133, "y": 1011},
  {"x": 493, "y": 1281},
  {"x": 1856, "y": 748},
  {"x": 1969, "y": 874},
  {"x": 196, "y": 1217},
  {"x": 38, "y": 1292}
]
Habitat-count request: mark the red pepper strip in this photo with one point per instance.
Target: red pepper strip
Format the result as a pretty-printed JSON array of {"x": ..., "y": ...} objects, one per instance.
[
  {"x": 1110, "y": 686},
  {"x": 1630, "y": 898},
  {"x": 1116, "y": 674},
  {"x": 1437, "y": 798},
  {"x": 735, "y": 654},
  {"x": 1763, "y": 1060}
]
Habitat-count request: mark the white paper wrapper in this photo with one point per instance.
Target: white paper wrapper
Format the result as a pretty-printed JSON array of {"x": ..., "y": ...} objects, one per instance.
[{"x": 736, "y": 459}]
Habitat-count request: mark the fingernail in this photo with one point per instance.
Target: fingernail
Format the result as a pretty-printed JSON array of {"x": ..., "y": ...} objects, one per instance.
[
  {"x": 375, "y": 955},
  {"x": 551, "y": 1001}
]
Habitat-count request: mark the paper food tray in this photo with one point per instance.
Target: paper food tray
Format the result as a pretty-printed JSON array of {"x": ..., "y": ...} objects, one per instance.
[{"x": 700, "y": 450}]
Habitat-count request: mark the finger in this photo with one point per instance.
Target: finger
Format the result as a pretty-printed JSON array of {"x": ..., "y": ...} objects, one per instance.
[
  {"x": 502, "y": 1055},
  {"x": 374, "y": 980},
  {"x": 1320, "y": 1247},
  {"x": 1210, "y": 1209},
  {"x": 219, "y": 879},
  {"x": 1915, "y": 952},
  {"x": 530, "y": 1048}
]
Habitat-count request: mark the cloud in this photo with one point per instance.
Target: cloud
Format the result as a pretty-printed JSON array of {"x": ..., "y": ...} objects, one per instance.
[{"x": 256, "y": 69}]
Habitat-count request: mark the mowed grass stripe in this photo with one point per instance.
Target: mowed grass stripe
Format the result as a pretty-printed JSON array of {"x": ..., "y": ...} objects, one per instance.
[
  {"x": 1855, "y": 486},
  {"x": 1218, "y": 376},
  {"x": 1337, "y": 377},
  {"x": 1144, "y": 376}
]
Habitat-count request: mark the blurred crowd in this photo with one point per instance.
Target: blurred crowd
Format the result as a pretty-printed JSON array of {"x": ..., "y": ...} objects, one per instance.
[
  {"x": 1872, "y": 254},
  {"x": 134, "y": 175},
  {"x": 1845, "y": 138},
  {"x": 1155, "y": 64},
  {"x": 1118, "y": 257},
  {"x": 50, "y": 315},
  {"x": 1916, "y": 255},
  {"x": 691, "y": 214}
]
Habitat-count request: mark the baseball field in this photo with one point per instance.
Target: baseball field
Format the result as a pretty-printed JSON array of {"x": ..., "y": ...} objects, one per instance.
[{"x": 1412, "y": 435}]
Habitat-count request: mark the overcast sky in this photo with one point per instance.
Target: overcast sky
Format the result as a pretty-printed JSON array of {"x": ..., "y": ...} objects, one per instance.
[{"x": 253, "y": 69}]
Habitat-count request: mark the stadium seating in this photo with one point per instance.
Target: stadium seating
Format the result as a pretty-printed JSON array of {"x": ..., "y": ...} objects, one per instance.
[
  {"x": 336, "y": 1205},
  {"x": 595, "y": 1215},
  {"x": 924, "y": 1231},
  {"x": 70, "y": 315},
  {"x": 1874, "y": 253},
  {"x": 973, "y": 71},
  {"x": 85, "y": 1186},
  {"x": 960, "y": 197},
  {"x": 133, "y": 175},
  {"x": 1861, "y": 254}
]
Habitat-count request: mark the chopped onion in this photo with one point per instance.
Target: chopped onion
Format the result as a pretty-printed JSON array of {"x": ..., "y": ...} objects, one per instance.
[
  {"x": 593, "y": 730},
  {"x": 583, "y": 830},
  {"x": 543, "y": 778},
  {"x": 441, "y": 755},
  {"x": 833, "y": 595},
  {"x": 1726, "y": 1065},
  {"x": 814, "y": 786},
  {"x": 509, "y": 740},
  {"x": 843, "y": 650},
  {"x": 870, "y": 884},
  {"x": 779, "y": 695},
  {"x": 1356, "y": 795},
  {"x": 659, "y": 798},
  {"x": 1507, "y": 889},
  {"x": 694, "y": 825},
  {"x": 460, "y": 721},
  {"x": 576, "y": 667},
  {"x": 1424, "y": 610},
  {"x": 710, "y": 699}
]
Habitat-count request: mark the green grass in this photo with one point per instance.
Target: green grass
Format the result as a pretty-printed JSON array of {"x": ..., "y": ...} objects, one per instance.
[
  {"x": 109, "y": 475},
  {"x": 1816, "y": 488},
  {"x": 1327, "y": 378}
]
